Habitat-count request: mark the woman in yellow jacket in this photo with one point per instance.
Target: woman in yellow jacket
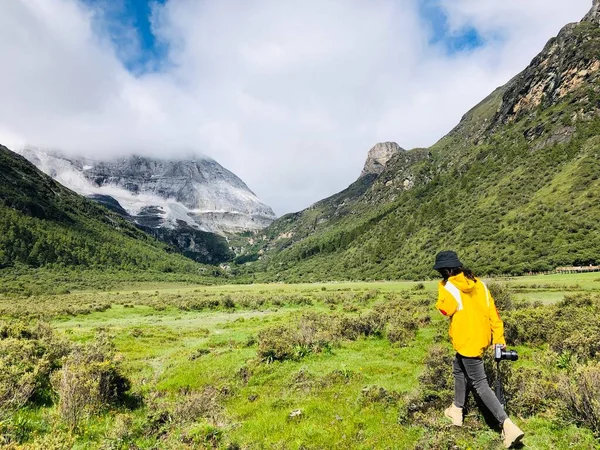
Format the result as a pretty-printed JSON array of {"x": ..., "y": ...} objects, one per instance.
[{"x": 474, "y": 326}]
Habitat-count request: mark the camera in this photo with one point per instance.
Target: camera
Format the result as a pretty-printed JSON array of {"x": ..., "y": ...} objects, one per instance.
[{"x": 500, "y": 354}]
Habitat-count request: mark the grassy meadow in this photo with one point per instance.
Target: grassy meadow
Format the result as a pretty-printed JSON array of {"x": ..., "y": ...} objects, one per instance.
[{"x": 313, "y": 366}]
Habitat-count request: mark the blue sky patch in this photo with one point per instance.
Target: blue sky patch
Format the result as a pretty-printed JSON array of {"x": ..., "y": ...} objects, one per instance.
[
  {"x": 463, "y": 40},
  {"x": 127, "y": 24}
]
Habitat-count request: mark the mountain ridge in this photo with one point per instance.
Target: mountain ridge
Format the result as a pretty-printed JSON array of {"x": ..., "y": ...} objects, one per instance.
[
  {"x": 198, "y": 192},
  {"x": 192, "y": 204},
  {"x": 516, "y": 178}
]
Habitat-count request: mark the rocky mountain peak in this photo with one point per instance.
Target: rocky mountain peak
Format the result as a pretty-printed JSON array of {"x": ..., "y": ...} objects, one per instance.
[
  {"x": 594, "y": 14},
  {"x": 162, "y": 193},
  {"x": 378, "y": 157}
]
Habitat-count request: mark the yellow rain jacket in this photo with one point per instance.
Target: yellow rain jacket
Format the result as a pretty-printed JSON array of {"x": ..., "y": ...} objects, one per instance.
[{"x": 474, "y": 320}]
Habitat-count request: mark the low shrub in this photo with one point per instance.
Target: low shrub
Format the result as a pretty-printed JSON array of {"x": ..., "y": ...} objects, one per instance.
[
  {"x": 502, "y": 296},
  {"x": 528, "y": 326},
  {"x": 302, "y": 380},
  {"x": 28, "y": 355},
  {"x": 90, "y": 380},
  {"x": 196, "y": 405},
  {"x": 403, "y": 318},
  {"x": 369, "y": 324},
  {"x": 436, "y": 389},
  {"x": 578, "y": 392},
  {"x": 531, "y": 391},
  {"x": 437, "y": 375},
  {"x": 121, "y": 433},
  {"x": 401, "y": 333},
  {"x": 365, "y": 297},
  {"x": 276, "y": 344},
  {"x": 158, "y": 421},
  {"x": 583, "y": 342},
  {"x": 399, "y": 320},
  {"x": 337, "y": 376},
  {"x": 331, "y": 299},
  {"x": 314, "y": 333},
  {"x": 299, "y": 300},
  {"x": 350, "y": 307},
  {"x": 571, "y": 326},
  {"x": 228, "y": 302}
]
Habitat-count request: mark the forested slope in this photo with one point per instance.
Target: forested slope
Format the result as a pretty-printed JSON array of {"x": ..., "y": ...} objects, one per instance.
[{"x": 44, "y": 224}]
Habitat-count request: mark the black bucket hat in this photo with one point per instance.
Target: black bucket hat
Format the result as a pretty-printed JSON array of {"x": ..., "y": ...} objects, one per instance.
[{"x": 447, "y": 260}]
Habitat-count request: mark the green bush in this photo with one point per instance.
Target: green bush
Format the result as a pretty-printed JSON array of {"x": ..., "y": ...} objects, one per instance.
[
  {"x": 314, "y": 333},
  {"x": 502, "y": 296},
  {"x": 276, "y": 344},
  {"x": 399, "y": 334},
  {"x": 572, "y": 326},
  {"x": 369, "y": 324},
  {"x": 399, "y": 320},
  {"x": 437, "y": 376},
  {"x": 583, "y": 342},
  {"x": 418, "y": 287},
  {"x": 528, "y": 326},
  {"x": 579, "y": 394},
  {"x": 122, "y": 433},
  {"x": 531, "y": 391},
  {"x": 90, "y": 380},
  {"x": 28, "y": 355}
]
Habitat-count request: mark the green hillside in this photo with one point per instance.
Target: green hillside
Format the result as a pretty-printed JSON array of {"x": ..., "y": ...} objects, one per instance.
[
  {"x": 513, "y": 188},
  {"x": 43, "y": 224}
]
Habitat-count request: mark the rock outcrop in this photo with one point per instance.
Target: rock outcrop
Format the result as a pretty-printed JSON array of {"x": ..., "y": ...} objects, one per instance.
[
  {"x": 594, "y": 14},
  {"x": 568, "y": 62},
  {"x": 378, "y": 157}
]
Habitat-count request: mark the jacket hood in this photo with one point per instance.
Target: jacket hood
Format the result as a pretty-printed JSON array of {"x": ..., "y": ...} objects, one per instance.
[{"x": 463, "y": 283}]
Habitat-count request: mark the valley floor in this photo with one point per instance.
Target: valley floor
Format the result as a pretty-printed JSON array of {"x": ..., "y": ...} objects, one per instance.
[{"x": 320, "y": 366}]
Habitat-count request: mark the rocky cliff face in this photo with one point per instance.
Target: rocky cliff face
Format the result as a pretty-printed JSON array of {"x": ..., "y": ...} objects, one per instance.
[
  {"x": 567, "y": 63},
  {"x": 594, "y": 14},
  {"x": 156, "y": 193},
  {"x": 378, "y": 157}
]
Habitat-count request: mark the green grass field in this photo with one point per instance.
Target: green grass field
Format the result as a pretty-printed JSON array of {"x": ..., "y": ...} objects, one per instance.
[{"x": 192, "y": 355}]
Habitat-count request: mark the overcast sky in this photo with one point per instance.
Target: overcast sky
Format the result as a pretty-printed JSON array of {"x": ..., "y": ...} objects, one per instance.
[{"x": 288, "y": 94}]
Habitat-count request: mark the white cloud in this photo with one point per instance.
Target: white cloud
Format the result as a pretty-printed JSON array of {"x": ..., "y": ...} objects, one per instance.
[{"x": 289, "y": 95}]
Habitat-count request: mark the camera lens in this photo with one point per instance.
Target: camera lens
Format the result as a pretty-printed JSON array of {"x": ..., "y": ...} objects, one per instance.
[{"x": 510, "y": 355}]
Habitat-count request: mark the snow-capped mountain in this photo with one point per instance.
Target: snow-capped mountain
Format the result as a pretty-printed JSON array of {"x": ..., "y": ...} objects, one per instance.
[{"x": 197, "y": 193}]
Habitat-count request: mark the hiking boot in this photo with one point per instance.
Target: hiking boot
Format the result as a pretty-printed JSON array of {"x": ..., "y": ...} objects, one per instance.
[
  {"x": 511, "y": 433},
  {"x": 455, "y": 414}
]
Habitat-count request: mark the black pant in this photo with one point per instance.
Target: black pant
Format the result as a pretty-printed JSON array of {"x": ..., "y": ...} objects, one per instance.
[{"x": 471, "y": 369}]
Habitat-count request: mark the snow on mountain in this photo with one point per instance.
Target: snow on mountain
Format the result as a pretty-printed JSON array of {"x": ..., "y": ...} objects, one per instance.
[{"x": 163, "y": 193}]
